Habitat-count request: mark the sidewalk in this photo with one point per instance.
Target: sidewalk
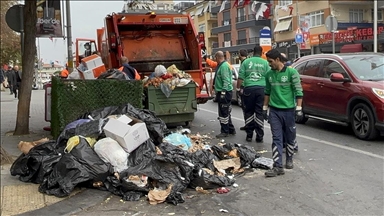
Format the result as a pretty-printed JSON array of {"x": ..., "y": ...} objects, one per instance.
[{"x": 16, "y": 196}]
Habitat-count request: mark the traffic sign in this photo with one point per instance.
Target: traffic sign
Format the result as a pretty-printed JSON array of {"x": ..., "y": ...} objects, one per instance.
[
  {"x": 265, "y": 33},
  {"x": 331, "y": 23},
  {"x": 299, "y": 38}
]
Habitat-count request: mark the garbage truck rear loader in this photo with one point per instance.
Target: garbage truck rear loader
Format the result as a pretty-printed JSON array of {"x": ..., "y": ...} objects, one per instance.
[{"x": 151, "y": 39}]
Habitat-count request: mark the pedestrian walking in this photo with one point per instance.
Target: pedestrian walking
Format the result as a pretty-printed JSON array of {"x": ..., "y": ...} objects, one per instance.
[
  {"x": 223, "y": 88},
  {"x": 17, "y": 80},
  {"x": 252, "y": 77},
  {"x": 283, "y": 96},
  {"x": 243, "y": 54},
  {"x": 10, "y": 77}
]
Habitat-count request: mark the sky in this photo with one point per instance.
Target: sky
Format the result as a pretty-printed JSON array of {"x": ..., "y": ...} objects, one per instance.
[{"x": 87, "y": 16}]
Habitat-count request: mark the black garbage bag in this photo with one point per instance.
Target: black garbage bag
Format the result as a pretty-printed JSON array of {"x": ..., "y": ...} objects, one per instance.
[
  {"x": 126, "y": 190},
  {"x": 81, "y": 165},
  {"x": 113, "y": 74},
  {"x": 205, "y": 180},
  {"x": 204, "y": 159},
  {"x": 142, "y": 155},
  {"x": 68, "y": 132},
  {"x": 157, "y": 129},
  {"x": 37, "y": 164},
  {"x": 247, "y": 154}
]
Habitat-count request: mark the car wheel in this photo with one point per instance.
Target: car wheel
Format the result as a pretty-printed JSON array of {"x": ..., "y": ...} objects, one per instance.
[{"x": 363, "y": 122}]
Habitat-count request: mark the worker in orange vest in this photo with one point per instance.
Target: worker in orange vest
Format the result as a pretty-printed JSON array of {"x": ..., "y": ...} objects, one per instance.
[
  {"x": 64, "y": 73},
  {"x": 128, "y": 69},
  {"x": 213, "y": 64}
]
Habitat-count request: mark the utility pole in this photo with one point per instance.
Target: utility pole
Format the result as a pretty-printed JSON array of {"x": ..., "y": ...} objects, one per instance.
[
  {"x": 375, "y": 26},
  {"x": 69, "y": 36},
  {"x": 298, "y": 24}
]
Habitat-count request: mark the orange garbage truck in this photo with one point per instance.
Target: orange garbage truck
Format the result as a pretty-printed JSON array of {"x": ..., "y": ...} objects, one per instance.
[{"x": 149, "y": 39}]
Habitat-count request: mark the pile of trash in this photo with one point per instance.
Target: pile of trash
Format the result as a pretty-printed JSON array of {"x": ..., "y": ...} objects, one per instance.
[
  {"x": 131, "y": 153},
  {"x": 170, "y": 76}
]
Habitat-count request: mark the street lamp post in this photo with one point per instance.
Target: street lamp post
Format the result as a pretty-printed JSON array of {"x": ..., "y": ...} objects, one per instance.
[{"x": 69, "y": 36}]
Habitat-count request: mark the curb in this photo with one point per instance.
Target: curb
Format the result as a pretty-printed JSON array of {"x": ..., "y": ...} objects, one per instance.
[{"x": 72, "y": 205}]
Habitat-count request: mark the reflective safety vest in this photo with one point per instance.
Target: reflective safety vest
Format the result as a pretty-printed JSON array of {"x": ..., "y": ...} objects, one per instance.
[{"x": 137, "y": 75}]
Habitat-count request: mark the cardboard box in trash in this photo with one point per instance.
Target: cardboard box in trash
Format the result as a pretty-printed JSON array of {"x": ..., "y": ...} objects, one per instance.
[
  {"x": 95, "y": 67},
  {"x": 129, "y": 132}
]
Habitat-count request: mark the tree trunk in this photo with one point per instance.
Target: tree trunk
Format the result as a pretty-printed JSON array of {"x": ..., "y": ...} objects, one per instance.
[{"x": 28, "y": 62}]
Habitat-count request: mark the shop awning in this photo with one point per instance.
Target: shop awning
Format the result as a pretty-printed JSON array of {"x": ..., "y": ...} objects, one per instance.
[
  {"x": 199, "y": 11},
  {"x": 283, "y": 25}
]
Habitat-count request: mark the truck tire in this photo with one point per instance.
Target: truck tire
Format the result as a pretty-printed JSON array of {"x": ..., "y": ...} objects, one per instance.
[{"x": 363, "y": 122}]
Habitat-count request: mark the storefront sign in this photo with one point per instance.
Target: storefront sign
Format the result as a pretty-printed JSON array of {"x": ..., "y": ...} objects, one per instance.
[
  {"x": 284, "y": 44},
  {"x": 314, "y": 40},
  {"x": 344, "y": 36},
  {"x": 49, "y": 19}
]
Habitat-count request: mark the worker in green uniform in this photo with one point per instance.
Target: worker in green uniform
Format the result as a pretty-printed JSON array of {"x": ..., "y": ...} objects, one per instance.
[
  {"x": 223, "y": 89},
  {"x": 283, "y": 96},
  {"x": 252, "y": 77}
]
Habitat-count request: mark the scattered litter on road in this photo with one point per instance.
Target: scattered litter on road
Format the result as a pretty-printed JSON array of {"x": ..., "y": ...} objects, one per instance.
[
  {"x": 261, "y": 152},
  {"x": 305, "y": 149},
  {"x": 281, "y": 197},
  {"x": 223, "y": 210},
  {"x": 337, "y": 193},
  {"x": 201, "y": 190},
  {"x": 222, "y": 190},
  {"x": 172, "y": 213},
  {"x": 212, "y": 120},
  {"x": 88, "y": 154},
  {"x": 235, "y": 185}
]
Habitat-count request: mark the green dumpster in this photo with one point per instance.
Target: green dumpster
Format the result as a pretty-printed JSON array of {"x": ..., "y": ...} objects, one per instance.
[
  {"x": 73, "y": 98},
  {"x": 179, "y": 107}
]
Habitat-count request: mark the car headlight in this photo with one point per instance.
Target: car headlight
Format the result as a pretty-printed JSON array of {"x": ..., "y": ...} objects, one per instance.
[{"x": 378, "y": 92}]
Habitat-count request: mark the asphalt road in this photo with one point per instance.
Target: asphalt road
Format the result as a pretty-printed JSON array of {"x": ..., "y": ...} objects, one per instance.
[{"x": 334, "y": 174}]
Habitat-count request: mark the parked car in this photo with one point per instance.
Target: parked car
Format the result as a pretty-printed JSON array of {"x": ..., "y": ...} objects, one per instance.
[
  {"x": 236, "y": 99},
  {"x": 346, "y": 89}
]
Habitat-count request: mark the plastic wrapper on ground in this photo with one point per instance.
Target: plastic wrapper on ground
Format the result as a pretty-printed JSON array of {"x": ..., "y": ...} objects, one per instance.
[{"x": 263, "y": 163}]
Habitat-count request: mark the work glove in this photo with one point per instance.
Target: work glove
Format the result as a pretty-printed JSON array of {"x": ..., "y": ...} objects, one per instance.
[
  {"x": 265, "y": 113},
  {"x": 240, "y": 91},
  {"x": 299, "y": 113},
  {"x": 222, "y": 97},
  {"x": 205, "y": 58}
]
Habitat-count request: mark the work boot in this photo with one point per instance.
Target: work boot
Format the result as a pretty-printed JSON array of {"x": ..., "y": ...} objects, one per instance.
[
  {"x": 289, "y": 163},
  {"x": 222, "y": 135},
  {"x": 248, "y": 139},
  {"x": 242, "y": 128},
  {"x": 232, "y": 133},
  {"x": 275, "y": 172},
  {"x": 259, "y": 140}
]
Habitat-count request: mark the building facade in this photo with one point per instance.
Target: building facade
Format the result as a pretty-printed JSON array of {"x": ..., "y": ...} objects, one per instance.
[
  {"x": 237, "y": 29},
  {"x": 355, "y": 25},
  {"x": 205, "y": 19}
]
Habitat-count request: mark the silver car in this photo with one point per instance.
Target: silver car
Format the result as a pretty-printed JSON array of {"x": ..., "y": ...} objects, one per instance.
[{"x": 236, "y": 99}]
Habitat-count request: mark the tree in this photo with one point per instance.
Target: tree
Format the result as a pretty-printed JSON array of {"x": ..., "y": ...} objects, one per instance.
[
  {"x": 10, "y": 40},
  {"x": 28, "y": 63}
]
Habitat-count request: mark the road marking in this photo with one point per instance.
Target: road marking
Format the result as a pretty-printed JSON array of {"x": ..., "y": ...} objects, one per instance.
[{"x": 314, "y": 139}]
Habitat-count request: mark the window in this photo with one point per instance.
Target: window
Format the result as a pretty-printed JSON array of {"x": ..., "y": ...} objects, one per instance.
[
  {"x": 214, "y": 15},
  {"x": 356, "y": 15},
  {"x": 227, "y": 36},
  {"x": 284, "y": 2},
  {"x": 379, "y": 15},
  {"x": 240, "y": 14},
  {"x": 300, "y": 68},
  {"x": 313, "y": 68},
  {"x": 317, "y": 18},
  {"x": 330, "y": 67},
  {"x": 202, "y": 28}
]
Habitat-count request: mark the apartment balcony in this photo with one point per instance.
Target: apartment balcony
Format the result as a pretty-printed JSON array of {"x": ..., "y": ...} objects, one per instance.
[
  {"x": 216, "y": 9},
  {"x": 212, "y": 36},
  {"x": 250, "y": 21},
  {"x": 225, "y": 26},
  {"x": 230, "y": 46},
  {"x": 351, "y": 2}
]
